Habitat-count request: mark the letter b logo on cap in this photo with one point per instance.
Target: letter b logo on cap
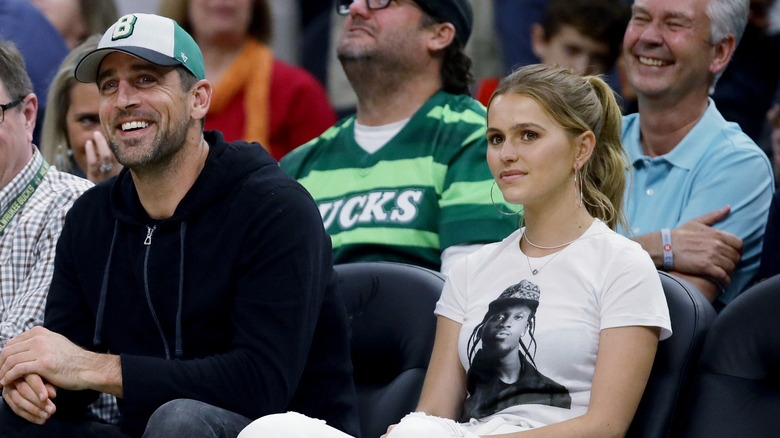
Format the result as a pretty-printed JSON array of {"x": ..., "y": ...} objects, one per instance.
[{"x": 124, "y": 27}]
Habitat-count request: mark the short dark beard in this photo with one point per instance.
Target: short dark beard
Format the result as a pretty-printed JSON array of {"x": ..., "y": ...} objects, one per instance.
[
  {"x": 375, "y": 72},
  {"x": 374, "y": 75},
  {"x": 165, "y": 147}
]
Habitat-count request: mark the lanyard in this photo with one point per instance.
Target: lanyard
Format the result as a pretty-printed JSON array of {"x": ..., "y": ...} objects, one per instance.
[{"x": 23, "y": 197}]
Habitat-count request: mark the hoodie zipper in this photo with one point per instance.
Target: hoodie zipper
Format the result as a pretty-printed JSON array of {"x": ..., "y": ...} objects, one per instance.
[
  {"x": 149, "y": 231},
  {"x": 148, "y": 244}
]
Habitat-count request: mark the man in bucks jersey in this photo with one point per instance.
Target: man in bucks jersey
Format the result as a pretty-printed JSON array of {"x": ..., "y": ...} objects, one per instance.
[{"x": 405, "y": 179}]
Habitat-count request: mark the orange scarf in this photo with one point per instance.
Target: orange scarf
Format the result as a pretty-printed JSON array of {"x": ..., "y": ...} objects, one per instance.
[{"x": 250, "y": 73}]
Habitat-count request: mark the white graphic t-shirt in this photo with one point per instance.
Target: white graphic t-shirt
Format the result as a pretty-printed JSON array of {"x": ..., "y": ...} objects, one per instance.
[{"x": 529, "y": 341}]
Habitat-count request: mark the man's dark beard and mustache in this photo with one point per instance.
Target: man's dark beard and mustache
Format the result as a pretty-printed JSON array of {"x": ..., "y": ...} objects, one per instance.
[
  {"x": 165, "y": 147},
  {"x": 360, "y": 63}
]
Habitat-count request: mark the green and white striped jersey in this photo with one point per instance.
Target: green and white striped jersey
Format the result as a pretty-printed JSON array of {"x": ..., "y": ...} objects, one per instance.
[{"x": 427, "y": 189}]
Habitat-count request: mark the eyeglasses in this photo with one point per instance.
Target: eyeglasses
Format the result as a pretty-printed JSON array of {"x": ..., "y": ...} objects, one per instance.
[
  {"x": 343, "y": 5},
  {"x": 7, "y": 106}
]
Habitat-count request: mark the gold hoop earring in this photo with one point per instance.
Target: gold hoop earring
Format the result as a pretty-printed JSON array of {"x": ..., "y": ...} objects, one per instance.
[{"x": 496, "y": 206}]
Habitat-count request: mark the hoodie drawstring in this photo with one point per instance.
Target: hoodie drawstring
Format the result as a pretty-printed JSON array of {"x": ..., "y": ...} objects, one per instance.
[
  {"x": 97, "y": 338},
  {"x": 179, "y": 349}
]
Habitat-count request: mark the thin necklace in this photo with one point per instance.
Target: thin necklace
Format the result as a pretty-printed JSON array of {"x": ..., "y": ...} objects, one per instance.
[
  {"x": 528, "y": 259},
  {"x": 536, "y": 271},
  {"x": 549, "y": 247}
]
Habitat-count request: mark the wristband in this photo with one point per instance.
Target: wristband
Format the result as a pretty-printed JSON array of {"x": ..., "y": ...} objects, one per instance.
[{"x": 666, "y": 239}]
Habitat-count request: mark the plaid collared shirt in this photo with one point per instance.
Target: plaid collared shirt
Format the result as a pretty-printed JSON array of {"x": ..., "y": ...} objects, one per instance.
[
  {"x": 27, "y": 248},
  {"x": 28, "y": 243},
  {"x": 106, "y": 409}
]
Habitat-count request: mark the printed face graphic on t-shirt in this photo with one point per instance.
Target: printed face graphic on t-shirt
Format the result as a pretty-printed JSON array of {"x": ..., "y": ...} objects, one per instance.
[
  {"x": 502, "y": 370},
  {"x": 504, "y": 329}
]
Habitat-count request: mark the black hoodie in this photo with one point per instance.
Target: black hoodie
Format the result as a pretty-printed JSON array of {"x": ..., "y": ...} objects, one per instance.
[{"x": 225, "y": 302}]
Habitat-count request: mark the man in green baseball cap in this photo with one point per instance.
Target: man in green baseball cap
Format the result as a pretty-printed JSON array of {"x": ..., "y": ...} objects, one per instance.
[
  {"x": 155, "y": 39},
  {"x": 193, "y": 286}
]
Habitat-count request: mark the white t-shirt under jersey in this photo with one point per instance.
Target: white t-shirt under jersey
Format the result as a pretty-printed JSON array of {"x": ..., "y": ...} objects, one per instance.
[
  {"x": 601, "y": 280},
  {"x": 373, "y": 138}
]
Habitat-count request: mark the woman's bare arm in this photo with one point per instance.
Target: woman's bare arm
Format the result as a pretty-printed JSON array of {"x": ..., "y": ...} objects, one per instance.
[{"x": 445, "y": 382}]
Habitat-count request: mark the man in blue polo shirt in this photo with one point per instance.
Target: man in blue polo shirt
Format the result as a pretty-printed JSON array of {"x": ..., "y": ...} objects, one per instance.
[{"x": 701, "y": 188}]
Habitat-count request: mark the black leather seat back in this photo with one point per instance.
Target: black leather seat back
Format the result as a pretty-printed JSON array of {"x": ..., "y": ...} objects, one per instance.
[
  {"x": 737, "y": 388},
  {"x": 390, "y": 307},
  {"x": 676, "y": 360}
]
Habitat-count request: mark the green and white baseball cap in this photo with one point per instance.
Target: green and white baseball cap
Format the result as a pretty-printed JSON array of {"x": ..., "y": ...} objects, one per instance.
[{"x": 153, "y": 38}]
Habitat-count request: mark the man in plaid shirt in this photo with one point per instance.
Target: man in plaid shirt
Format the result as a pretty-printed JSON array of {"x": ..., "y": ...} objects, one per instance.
[{"x": 34, "y": 199}]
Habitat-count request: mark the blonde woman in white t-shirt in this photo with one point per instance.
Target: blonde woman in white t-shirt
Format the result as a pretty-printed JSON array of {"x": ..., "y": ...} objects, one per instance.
[{"x": 554, "y": 148}]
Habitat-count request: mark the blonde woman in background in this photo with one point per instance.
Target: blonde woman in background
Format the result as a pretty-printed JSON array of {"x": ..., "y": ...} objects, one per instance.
[{"x": 71, "y": 138}]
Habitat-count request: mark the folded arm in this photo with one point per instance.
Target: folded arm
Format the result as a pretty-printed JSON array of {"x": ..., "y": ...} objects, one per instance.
[{"x": 703, "y": 255}]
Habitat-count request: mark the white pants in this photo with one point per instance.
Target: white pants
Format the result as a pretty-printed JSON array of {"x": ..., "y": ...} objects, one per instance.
[
  {"x": 414, "y": 425},
  {"x": 290, "y": 425}
]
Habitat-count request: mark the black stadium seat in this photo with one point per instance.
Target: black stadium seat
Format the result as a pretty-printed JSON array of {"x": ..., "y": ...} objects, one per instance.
[
  {"x": 676, "y": 360},
  {"x": 736, "y": 392},
  {"x": 390, "y": 306}
]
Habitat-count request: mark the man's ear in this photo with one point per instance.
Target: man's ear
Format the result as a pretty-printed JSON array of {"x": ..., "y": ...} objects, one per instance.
[
  {"x": 30, "y": 111},
  {"x": 201, "y": 99},
  {"x": 538, "y": 40},
  {"x": 723, "y": 51},
  {"x": 442, "y": 36}
]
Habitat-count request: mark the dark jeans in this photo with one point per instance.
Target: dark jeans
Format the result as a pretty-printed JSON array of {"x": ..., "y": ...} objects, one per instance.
[
  {"x": 177, "y": 418},
  {"x": 194, "y": 419},
  {"x": 14, "y": 426}
]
